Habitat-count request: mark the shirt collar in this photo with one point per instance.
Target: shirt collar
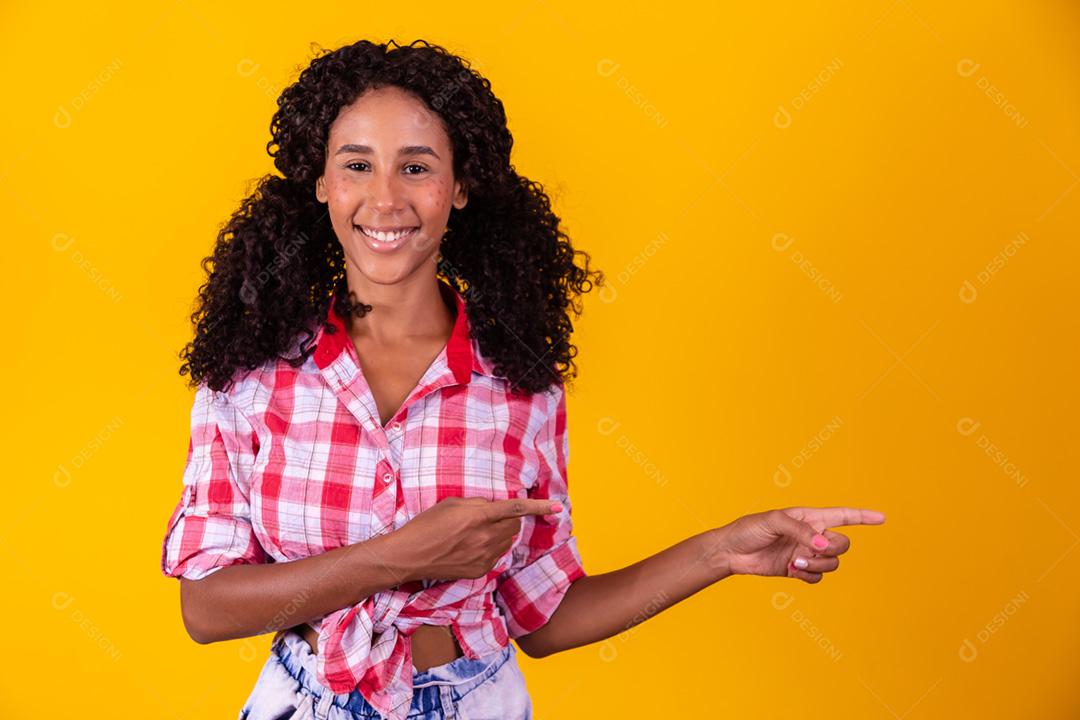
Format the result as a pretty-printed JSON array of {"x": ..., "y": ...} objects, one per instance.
[{"x": 463, "y": 355}]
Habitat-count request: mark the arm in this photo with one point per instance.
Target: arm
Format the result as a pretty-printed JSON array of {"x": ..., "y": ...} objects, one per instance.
[
  {"x": 229, "y": 586},
  {"x": 251, "y": 599},
  {"x": 597, "y": 607},
  {"x": 791, "y": 542}
]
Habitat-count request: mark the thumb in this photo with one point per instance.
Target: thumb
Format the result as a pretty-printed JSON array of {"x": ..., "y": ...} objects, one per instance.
[{"x": 803, "y": 533}]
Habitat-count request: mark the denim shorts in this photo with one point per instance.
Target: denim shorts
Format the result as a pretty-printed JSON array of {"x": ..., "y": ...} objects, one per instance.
[{"x": 491, "y": 686}]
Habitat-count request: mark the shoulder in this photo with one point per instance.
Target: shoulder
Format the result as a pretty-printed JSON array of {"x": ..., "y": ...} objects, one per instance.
[
  {"x": 547, "y": 412},
  {"x": 253, "y": 391},
  {"x": 484, "y": 371}
]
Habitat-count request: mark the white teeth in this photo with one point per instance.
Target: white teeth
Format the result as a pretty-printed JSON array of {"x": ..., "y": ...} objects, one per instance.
[{"x": 386, "y": 237}]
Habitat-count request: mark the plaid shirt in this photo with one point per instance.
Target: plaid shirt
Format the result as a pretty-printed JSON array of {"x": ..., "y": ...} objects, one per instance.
[{"x": 292, "y": 462}]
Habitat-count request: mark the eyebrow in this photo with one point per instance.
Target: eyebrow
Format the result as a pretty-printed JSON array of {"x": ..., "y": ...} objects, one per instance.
[{"x": 406, "y": 150}]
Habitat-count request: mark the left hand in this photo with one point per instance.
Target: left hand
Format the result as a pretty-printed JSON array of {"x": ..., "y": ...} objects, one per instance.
[{"x": 767, "y": 543}]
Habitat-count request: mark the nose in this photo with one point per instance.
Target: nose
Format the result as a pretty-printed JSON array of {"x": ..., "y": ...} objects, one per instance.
[{"x": 385, "y": 192}]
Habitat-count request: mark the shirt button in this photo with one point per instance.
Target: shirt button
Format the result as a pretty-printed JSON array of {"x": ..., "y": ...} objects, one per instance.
[
  {"x": 388, "y": 477},
  {"x": 396, "y": 425}
]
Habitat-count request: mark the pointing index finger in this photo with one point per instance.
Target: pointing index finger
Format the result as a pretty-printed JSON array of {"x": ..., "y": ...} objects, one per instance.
[
  {"x": 838, "y": 516},
  {"x": 516, "y": 507}
]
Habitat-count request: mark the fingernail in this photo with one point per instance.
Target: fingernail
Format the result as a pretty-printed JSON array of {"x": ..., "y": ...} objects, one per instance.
[
  {"x": 800, "y": 563},
  {"x": 791, "y": 567},
  {"x": 556, "y": 507},
  {"x": 820, "y": 542}
]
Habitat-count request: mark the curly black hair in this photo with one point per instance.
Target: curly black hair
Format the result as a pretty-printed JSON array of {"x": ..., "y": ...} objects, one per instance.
[{"x": 277, "y": 264}]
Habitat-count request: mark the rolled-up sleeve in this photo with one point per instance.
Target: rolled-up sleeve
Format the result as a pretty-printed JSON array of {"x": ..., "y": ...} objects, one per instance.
[
  {"x": 210, "y": 528},
  {"x": 545, "y": 562}
]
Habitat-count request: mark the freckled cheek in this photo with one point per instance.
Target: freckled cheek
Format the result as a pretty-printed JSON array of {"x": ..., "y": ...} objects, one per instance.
[
  {"x": 437, "y": 197},
  {"x": 341, "y": 197},
  {"x": 338, "y": 191}
]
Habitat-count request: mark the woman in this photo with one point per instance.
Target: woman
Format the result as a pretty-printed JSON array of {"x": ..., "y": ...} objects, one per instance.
[{"x": 377, "y": 466}]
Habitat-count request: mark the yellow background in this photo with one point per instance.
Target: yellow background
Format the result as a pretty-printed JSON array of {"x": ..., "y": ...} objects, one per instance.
[{"x": 839, "y": 241}]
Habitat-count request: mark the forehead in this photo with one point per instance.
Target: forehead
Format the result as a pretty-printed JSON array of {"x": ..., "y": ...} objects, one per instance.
[{"x": 390, "y": 117}]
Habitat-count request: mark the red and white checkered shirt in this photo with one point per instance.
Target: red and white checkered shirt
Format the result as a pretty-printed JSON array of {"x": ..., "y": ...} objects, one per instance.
[{"x": 292, "y": 462}]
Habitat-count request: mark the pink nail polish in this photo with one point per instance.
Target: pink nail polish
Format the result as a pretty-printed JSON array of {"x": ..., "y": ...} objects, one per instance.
[
  {"x": 556, "y": 507},
  {"x": 821, "y": 542}
]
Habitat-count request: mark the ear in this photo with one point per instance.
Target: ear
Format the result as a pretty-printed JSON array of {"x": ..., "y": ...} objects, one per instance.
[
  {"x": 320, "y": 189},
  {"x": 461, "y": 194}
]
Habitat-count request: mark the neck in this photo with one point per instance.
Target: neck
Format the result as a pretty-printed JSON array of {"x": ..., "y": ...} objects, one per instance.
[{"x": 401, "y": 312}]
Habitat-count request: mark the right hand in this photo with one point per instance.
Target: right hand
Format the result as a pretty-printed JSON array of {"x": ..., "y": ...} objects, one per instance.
[{"x": 464, "y": 537}]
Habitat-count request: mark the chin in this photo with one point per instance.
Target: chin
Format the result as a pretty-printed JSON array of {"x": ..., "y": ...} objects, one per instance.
[{"x": 383, "y": 271}]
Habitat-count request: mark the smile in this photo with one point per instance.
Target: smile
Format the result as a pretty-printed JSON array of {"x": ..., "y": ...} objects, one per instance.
[
  {"x": 387, "y": 237},
  {"x": 386, "y": 242}
]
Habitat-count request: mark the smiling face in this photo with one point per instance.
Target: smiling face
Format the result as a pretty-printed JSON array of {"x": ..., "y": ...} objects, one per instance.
[{"x": 389, "y": 186}]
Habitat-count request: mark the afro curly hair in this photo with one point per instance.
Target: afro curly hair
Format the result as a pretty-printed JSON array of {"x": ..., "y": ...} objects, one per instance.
[{"x": 277, "y": 265}]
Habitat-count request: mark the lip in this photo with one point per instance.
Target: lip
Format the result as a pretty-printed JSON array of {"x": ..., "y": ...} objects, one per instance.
[
  {"x": 387, "y": 228},
  {"x": 384, "y": 247}
]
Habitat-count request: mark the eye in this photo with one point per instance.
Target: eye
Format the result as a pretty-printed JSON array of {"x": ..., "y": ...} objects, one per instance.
[{"x": 410, "y": 165}]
